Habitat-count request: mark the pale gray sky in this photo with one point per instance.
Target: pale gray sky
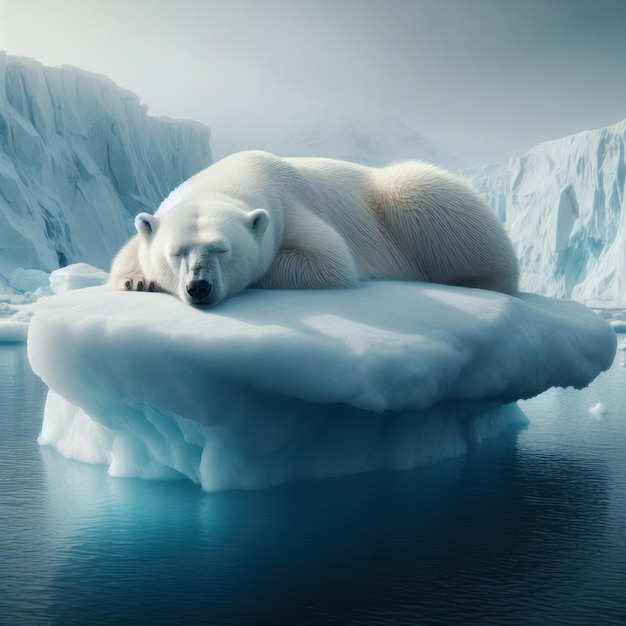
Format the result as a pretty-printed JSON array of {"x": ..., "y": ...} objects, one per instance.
[{"x": 520, "y": 71}]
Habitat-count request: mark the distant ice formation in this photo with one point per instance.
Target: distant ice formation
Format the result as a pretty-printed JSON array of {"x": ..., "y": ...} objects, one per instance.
[
  {"x": 18, "y": 291},
  {"x": 25, "y": 287},
  {"x": 563, "y": 204},
  {"x": 272, "y": 386},
  {"x": 368, "y": 140},
  {"x": 79, "y": 157}
]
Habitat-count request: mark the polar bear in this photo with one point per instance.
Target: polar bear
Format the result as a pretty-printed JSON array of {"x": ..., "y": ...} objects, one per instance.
[{"x": 255, "y": 219}]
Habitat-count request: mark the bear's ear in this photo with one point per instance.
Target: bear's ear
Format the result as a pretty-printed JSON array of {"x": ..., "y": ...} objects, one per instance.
[
  {"x": 259, "y": 220},
  {"x": 146, "y": 224}
]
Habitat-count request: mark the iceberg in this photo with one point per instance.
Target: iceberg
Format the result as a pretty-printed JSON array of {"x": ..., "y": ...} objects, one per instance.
[
  {"x": 273, "y": 386},
  {"x": 563, "y": 204},
  {"x": 79, "y": 157}
]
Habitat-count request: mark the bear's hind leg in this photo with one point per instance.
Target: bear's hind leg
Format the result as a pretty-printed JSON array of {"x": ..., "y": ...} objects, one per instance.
[{"x": 325, "y": 262}]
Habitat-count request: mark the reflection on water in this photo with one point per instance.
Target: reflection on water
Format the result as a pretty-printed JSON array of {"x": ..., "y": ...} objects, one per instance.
[{"x": 526, "y": 529}]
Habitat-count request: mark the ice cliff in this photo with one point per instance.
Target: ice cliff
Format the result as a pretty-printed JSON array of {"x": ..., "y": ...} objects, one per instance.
[
  {"x": 563, "y": 204},
  {"x": 79, "y": 157}
]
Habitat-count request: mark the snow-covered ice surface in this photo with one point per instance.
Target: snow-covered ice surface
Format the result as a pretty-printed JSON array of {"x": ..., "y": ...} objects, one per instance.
[
  {"x": 277, "y": 385},
  {"x": 79, "y": 157},
  {"x": 564, "y": 205}
]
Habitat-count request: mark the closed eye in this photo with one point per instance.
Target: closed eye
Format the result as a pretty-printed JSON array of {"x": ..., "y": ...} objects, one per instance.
[
  {"x": 178, "y": 252},
  {"x": 183, "y": 251}
]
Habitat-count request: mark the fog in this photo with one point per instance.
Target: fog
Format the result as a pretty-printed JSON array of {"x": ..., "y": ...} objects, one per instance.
[{"x": 507, "y": 73}]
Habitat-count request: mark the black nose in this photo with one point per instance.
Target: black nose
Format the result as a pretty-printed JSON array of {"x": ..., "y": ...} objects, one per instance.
[{"x": 198, "y": 290}]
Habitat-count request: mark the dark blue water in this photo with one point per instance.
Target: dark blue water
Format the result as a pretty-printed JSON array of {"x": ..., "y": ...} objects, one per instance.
[{"x": 529, "y": 529}]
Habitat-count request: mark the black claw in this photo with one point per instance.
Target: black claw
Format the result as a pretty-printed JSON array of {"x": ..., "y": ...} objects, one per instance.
[
  {"x": 128, "y": 285},
  {"x": 140, "y": 285},
  {"x": 151, "y": 287}
]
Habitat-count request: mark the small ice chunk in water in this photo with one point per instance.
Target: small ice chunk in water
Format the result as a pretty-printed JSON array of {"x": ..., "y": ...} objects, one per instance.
[{"x": 598, "y": 410}]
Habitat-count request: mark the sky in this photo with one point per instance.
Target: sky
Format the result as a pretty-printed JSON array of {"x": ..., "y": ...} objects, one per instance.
[{"x": 513, "y": 72}]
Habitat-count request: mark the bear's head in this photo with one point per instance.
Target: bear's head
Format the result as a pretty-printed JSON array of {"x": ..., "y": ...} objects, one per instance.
[{"x": 205, "y": 252}]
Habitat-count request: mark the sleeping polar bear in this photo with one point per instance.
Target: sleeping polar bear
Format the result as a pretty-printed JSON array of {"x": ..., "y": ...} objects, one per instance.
[{"x": 255, "y": 219}]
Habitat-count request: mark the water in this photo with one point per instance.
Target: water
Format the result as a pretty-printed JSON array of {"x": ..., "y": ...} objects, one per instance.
[{"x": 529, "y": 529}]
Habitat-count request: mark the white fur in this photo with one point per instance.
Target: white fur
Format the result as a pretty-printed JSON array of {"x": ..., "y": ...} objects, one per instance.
[{"x": 257, "y": 219}]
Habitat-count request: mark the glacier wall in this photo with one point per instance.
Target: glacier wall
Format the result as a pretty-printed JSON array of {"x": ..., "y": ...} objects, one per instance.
[
  {"x": 79, "y": 157},
  {"x": 563, "y": 204}
]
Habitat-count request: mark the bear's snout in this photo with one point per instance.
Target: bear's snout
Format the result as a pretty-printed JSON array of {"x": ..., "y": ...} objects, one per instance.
[{"x": 199, "y": 290}]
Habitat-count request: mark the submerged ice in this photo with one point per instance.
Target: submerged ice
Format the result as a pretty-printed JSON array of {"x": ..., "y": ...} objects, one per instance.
[{"x": 272, "y": 385}]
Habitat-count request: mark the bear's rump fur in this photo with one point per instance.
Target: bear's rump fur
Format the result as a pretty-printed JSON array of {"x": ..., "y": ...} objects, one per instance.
[
  {"x": 413, "y": 221},
  {"x": 443, "y": 229}
]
